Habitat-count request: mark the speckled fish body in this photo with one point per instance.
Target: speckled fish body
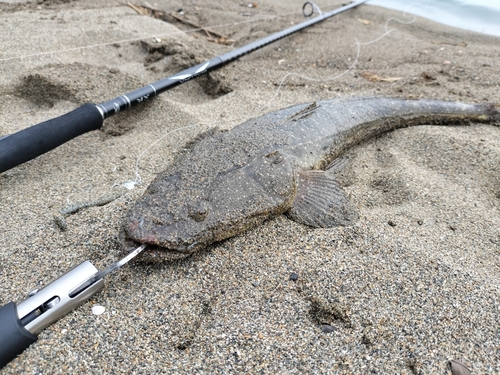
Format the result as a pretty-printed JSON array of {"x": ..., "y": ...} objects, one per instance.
[{"x": 284, "y": 161}]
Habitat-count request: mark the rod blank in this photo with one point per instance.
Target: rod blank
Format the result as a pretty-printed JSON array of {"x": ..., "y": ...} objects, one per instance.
[{"x": 36, "y": 140}]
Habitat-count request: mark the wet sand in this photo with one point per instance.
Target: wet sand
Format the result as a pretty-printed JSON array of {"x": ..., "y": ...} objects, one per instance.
[{"x": 412, "y": 284}]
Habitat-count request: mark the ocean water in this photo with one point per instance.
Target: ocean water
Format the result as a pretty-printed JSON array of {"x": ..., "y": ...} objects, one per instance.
[{"x": 482, "y": 16}]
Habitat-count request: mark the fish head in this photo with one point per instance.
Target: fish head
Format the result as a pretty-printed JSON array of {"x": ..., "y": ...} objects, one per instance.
[{"x": 187, "y": 214}]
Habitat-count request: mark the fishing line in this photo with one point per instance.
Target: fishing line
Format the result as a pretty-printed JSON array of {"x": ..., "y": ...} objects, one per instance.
[
  {"x": 138, "y": 180},
  {"x": 189, "y": 31},
  {"x": 312, "y": 79},
  {"x": 110, "y": 108},
  {"x": 131, "y": 184},
  {"x": 29, "y": 143},
  {"x": 358, "y": 45}
]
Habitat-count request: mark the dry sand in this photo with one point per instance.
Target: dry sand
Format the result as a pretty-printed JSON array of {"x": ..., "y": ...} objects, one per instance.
[{"x": 413, "y": 284}]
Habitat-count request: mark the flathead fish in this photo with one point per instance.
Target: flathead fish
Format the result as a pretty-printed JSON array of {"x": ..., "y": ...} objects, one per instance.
[{"x": 283, "y": 162}]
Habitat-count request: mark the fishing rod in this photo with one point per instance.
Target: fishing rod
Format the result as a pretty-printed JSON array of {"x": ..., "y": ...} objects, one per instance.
[{"x": 27, "y": 144}]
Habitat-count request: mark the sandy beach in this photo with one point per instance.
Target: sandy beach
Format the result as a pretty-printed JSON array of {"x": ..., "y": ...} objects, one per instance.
[{"x": 412, "y": 284}]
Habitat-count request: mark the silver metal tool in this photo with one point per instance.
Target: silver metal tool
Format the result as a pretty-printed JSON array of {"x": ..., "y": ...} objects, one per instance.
[{"x": 20, "y": 324}]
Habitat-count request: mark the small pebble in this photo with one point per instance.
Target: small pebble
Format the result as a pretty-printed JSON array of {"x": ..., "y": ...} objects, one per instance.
[
  {"x": 326, "y": 328},
  {"x": 98, "y": 310},
  {"x": 256, "y": 283},
  {"x": 391, "y": 223},
  {"x": 129, "y": 185},
  {"x": 294, "y": 276}
]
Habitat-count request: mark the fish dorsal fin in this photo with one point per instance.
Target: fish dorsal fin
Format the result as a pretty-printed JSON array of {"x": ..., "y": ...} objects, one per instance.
[
  {"x": 320, "y": 201},
  {"x": 304, "y": 112}
]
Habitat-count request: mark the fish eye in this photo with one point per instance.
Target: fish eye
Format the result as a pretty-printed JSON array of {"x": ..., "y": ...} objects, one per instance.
[
  {"x": 198, "y": 211},
  {"x": 275, "y": 157}
]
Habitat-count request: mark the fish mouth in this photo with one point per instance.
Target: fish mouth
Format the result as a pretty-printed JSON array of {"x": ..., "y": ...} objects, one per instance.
[
  {"x": 154, "y": 253},
  {"x": 184, "y": 236}
]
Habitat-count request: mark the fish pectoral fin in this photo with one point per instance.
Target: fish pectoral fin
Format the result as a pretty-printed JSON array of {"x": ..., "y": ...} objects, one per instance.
[{"x": 320, "y": 201}]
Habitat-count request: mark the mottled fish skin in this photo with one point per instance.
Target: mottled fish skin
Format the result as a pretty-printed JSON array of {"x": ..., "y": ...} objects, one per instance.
[{"x": 226, "y": 183}]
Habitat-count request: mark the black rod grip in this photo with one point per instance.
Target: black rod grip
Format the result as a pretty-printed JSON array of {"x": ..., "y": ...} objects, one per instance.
[
  {"x": 36, "y": 140},
  {"x": 14, "y": 338}
]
